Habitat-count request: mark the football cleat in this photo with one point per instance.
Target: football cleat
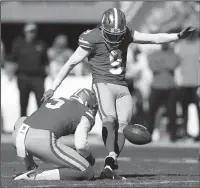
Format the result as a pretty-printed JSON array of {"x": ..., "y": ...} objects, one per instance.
[
  {"x": 26, "y": 175},
  {"x": 107, "y": 173}
]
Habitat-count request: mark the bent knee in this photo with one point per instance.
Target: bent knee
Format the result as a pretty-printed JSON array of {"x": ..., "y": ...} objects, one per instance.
[
  {"x": 109, "y": 118},
  {"x": 19, "y": 122}
]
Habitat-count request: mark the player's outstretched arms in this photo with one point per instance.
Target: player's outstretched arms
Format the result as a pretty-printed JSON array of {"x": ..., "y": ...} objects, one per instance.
[
  {"x": 79, "y": 55},
  {"x": 160, "y": 38},
  {"x": 81, "y": 140}
]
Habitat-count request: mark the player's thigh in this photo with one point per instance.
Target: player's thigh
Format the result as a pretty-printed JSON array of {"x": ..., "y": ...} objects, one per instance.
[
  {"x": 45, "y": 146},
  {"x": 124, "y": 106},
  {"x": 106, "y": 99}
]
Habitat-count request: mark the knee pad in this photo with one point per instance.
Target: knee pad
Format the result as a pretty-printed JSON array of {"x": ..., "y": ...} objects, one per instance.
[{"x": 109, "y": 119}]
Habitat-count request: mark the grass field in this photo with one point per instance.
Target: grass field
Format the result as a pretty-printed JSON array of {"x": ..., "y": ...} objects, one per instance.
[{"x": 156, "y": 165}]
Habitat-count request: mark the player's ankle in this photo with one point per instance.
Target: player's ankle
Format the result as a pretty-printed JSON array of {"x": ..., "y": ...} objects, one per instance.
[{"x": 113, "y": 155}]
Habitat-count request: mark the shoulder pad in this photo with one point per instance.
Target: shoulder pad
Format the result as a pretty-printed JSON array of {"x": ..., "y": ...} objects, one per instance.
[{"x": 88, "y": 38}]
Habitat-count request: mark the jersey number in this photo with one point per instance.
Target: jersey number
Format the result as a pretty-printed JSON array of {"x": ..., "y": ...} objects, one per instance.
[
  {"x": 115, "y": 63},
  {"x": 59, "y": 103}
]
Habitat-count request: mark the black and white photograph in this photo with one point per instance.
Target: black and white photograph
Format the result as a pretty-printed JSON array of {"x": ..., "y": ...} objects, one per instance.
[{"x": 100, "y": 94}]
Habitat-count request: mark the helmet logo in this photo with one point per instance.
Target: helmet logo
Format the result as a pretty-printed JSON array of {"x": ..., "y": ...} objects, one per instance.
[
  {"x": 111, "y": 18},
  {"x": 115, "y": 30}
]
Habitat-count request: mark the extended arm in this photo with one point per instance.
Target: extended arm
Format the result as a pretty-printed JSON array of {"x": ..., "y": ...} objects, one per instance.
[
  {"x": 160, "y": 38},
  {"x": 76, "y": 58},
  {"x": 81, "y": 137}
]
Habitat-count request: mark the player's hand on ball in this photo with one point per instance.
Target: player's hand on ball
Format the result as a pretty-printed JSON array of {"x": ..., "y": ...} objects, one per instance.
[
  {"x": 48, "y": 94},
  {"x": 186, "y": 32},
  {"x": 91, "y": 159},
  {"x": 137, "y": 134}
]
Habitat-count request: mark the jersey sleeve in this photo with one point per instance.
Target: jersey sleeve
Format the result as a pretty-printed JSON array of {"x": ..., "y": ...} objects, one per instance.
[
  {"x": 131, "y": 30},
  {"x": 90, "y": 117},
  {"x": 86, "y": 39}
]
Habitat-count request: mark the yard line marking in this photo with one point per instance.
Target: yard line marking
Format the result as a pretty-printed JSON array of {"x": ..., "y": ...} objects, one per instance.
[
  {"x": 174, "y": 161},
  {"x": 126, "y": 159},
  {"x": 121, "y": 183}
]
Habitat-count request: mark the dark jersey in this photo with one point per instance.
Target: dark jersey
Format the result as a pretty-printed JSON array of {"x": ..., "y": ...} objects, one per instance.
[
  {"x": 107, "y": 63},
  {"x": 60, "y": 116}
]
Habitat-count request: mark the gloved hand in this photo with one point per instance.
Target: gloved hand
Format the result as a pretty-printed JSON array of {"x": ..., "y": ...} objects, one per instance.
[
  {"x": 186, "y": 32},
  {"x": 48, "y": 94},
  {"x": 91, "y": 159}
]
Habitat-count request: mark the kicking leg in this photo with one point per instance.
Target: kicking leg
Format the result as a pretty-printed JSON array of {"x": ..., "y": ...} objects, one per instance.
[
  {"x": 106, "y": 101},
  {"x": 124, "y": 106}
]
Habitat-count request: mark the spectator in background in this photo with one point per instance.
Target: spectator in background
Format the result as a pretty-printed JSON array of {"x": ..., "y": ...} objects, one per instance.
[
  {"x": 139, "y": 79},
  {"x": 189, "y": 50},
  {"x": 2, "y": 54},
  {"x": 2, "y": 63},
  {"x": 59, "y": 54},
  {"x": 163, "y": 64},
  {"x": 31, "y": 63}
]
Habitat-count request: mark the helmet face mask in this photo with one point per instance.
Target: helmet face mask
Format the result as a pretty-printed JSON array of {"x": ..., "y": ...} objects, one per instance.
[{"x": 113, "y": 26}]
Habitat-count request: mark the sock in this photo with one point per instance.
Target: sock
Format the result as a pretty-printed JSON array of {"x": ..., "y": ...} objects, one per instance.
[
  {"x": 120, "y": 141},
  {"x": 29, "y": 162},
  {"x": 48, "y": 175},
  {"x": 108, "y": 135}
]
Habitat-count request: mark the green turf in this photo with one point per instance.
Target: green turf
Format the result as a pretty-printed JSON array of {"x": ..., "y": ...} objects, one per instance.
[{"x": 143, "y": 167}]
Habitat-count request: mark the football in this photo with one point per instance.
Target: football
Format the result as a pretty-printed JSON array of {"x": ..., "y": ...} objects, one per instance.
[{"x": 137, "y": 134}]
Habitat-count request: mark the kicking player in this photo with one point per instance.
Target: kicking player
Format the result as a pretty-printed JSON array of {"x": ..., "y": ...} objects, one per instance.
[
  {"x": 38, "y": 135},
  {"x": 106, "y": 48}
]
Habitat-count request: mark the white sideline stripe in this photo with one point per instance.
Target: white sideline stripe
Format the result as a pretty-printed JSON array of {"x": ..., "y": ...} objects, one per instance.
[
  {"x": 129, "y": 159},
  {"x": 101, "y": 159},
  {"x": 98, "y": 159},
  {"x": 174, "y": 161},
  {"x": 123, "y": 183},
  {"x": 153, "y": 145}
]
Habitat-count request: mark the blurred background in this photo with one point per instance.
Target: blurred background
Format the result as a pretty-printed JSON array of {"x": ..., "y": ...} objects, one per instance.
[{"x": 164, "y": 80}]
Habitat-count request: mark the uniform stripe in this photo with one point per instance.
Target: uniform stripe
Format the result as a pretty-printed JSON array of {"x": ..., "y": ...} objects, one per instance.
[
  {"x": 89, "y": 114},
  {"x": 83, "y": 41},
  {"x": 96, "y": 89},
  {"x": 85, "y": 46},
  {"x": 116, "y": 18},
  {"x": 76, "y": 162},
  {"x": 97, "y": 101},
  {"x": 64, "y": 157}
]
